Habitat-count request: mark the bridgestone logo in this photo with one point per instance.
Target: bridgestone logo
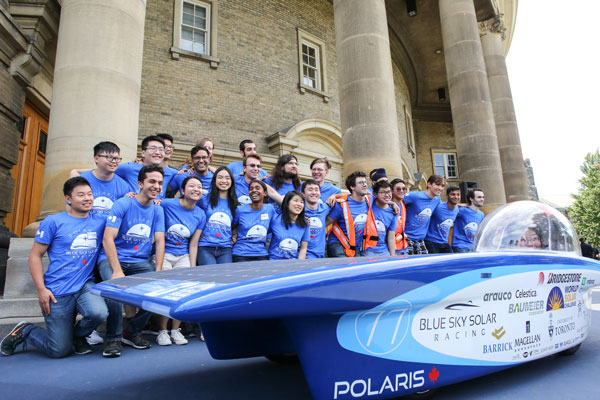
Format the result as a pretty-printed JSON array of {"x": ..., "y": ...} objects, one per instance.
[{"x": 563, "y": 278}]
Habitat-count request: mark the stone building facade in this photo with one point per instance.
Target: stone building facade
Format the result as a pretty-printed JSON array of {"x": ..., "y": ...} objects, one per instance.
[{"x": 364, "y": 83}]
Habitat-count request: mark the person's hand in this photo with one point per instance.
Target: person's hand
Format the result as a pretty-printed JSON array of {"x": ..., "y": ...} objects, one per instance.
[
  {"x": 116, "y": 275},
  {"x": 331, "y": 200},
  {"x": 130, "y": 194},
  {"x": 44, "y": 298},
  {"x": 395, "y": 208},
  {"x": 138, "y": 160}
]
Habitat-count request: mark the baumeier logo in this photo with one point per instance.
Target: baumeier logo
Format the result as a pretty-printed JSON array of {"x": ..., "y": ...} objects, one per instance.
[
  {"x": 555, "y": 300},
  {"x": 563, "y": 278}
]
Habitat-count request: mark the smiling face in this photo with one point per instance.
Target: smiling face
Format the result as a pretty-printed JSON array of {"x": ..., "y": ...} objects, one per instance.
[
  {"x": 249, "y": 149},
  {"x": 209, "y": 146},
  {"x": 107, "y": 162},
  {"x": 384, "y": 195},
  {"x": 312, "y": 193},
  {"x": 361, "y": 187},
  {"x": 435, "y": 188},
  {"x": 252, "y": 167},
  {"x": 319, "y": 172},
  {"x": 256, "y": 192},
  {"x": 168, "y": 149},
  {"x": 223, "y": 180},
  {"x": 399, "y": 192},
  {"x": 454, "y": 197},
  {"x": 478, "y": 199},
  {"x": 193, "y": 189},
  {"x": 291, "y": 167},
  {"x": 200, "y": 162},
  {"x": 154, "y": 153},
  {"x": 152, "y": 185},
  {"x": 296, "y": 205},
  {"x": 81, "y": 199}
]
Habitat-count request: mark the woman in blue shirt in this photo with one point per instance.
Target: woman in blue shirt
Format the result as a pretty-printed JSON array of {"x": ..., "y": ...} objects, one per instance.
[
  {"x": 252, "y": 222},
  {"x": 290, "y": 229},
  {"x": 219, "y": 206}
]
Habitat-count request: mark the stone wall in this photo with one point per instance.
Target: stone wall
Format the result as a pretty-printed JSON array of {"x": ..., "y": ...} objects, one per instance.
[{"x": 438, "y": 136}]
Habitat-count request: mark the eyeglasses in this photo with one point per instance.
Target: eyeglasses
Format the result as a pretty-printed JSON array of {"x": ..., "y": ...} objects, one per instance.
[
  {"x": 111, "y": 158},
  {"x": 154, "y": 149},
  {"x": 385, "y": 192},
  {"x": 200, "y": 158},
  {"x": 402, "y": 189},
  {"x": 318, "y": 169},
  {"x": 253, "y": 165},
  {"x": 169, "y": 147}
]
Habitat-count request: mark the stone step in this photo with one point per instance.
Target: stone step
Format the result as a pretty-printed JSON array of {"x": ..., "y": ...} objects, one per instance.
[
  {"x": 19, "y": 283},
  {"x": 22, "y": 308}
]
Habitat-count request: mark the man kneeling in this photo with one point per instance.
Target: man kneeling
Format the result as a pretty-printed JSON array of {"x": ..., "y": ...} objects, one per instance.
[{"x": 72, "y": 239}]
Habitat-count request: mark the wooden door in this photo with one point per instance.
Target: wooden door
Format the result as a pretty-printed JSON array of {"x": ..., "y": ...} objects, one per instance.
[{"x": 28, "y": 173}]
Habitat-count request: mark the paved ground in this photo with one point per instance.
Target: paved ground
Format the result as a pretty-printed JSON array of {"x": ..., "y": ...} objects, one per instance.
[{"x": 188, "y": 372}]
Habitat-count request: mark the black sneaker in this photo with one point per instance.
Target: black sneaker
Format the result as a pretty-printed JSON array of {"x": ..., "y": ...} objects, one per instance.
[
  {"x": 13, "y": 339},
  {"x": 81, "y": 346},
  {"x": 112, "y": 349},
  {"x": 137, "y": 341}
]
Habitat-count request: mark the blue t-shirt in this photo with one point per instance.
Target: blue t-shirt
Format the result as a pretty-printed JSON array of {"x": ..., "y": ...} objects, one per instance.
[
  {"x": 327, "y": 189},
  {"x": 359, "y": 212},
  {"x": 130, "y": 171},
  {"x": 73, "y": 246},
  {"x": 318, "y": 230},
  {"x": 285, "y": 243},
  {"x": 465, "y": 227},
  {"x": 419, "y": 209},
  {"x": 105, "y": 192},
  {"x": 136, "y": 224},
  {"x": 206, "y": 181},
  {"x": 252, "y": 229},
  {"x": 237, "y": 169},
  {"x": 386, "y": 221},
  {"x": 242, "y": 190},
  {"x": 217, "y": 230},
  {"x": 180, "y": 225},
  {"x": 440, "y": 223},
  {"x": 285, "y": 187}
]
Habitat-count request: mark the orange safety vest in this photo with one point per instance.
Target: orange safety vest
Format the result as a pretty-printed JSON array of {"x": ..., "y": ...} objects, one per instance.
[
  {"x": 401, "y": 243},
  {"x": 370, "y": 235}
]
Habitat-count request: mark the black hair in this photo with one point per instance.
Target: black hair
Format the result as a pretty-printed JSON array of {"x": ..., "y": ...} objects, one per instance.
[
  {"x": 277, "y": 177},
  {"x": 146, "y": 169},
  {"x": 243, "y": 144},
  {"x": 232, "y": 201},
  {"x": 309, "y": 182},
  {"x": 471, "y": 194},
  {"x": 262, "y": 184},
  {"x": 351, "y": 179},
  {"x": 285, "y": 210},
  {"x": 106, "y": 147},
  {"x": 380, "y": 185},
  {"x": 197, "y": 148},
  {"x": 186, "y": 180},
  {"x": 72, "y": 183},
  {"x": 149, "y": 139},
  {"x": 165, "y": 136},
  {"x": 397, "y": 181},
  {"x": 451, "y": 189}
]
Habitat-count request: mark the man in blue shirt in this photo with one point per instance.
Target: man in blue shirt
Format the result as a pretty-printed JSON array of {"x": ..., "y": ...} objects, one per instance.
[
  {"x": 251, "y": 171},
  {"x": 319, "y": 169},
  {"x": 106, "y": 186},
  {"x": 441, "y": 222},
  {"x": 247, "y": 148},
  {"x": 72, "y": 239},
  {"x": 284, "y": 177},
  {"x": 385, "y": 219},
  {"x": 153, "y": 153},
  {"x": 467, "y": 222},
  {"x": 200, "y": 165},
  {"x": 130, "y": 227},
  {"x": 419, "y": 209},
  {"x": 316, "y": 211}
]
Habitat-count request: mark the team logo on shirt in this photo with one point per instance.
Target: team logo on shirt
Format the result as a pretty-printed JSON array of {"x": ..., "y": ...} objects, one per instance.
[
  {"x": 141, "y": 231},
  {"x": 445, "y": 226},
  {"x": 288, "y": 248},
  {"x": 360, "y": 222},
  {"x": 178, "y": 232},
  {"x": 257, "y": 232},
  {"x": 244, "y": 200},
  {"x": 316, "y": 226},
  {"x": 84, "y": 241},
  {"x": 219, "y": 222},
  {"x": 102, "y": 205},
  {"x": 424, "y": 216},
  {"x": 470, "y": 229},
  {"x": 380, "y": 227}
]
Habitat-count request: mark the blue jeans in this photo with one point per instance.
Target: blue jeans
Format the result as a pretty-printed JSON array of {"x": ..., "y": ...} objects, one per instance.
[
  {"x": 437, "y": 248},
  {"x": 114, "y": 323},
  {"x": 249, "y": 258},
  {"x": 460, "y": 250},
  {"x": 209, "y": 255},
  {"x": 335, "y": 249},
  {"x": 57, "y": 339}
]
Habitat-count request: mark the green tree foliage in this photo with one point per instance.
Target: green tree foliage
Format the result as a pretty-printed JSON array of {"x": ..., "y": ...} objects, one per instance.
[{"x": 585, "y": 211}]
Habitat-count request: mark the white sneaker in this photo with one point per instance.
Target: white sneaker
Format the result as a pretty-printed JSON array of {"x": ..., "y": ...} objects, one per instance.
[
  {"x": 163, "y": 338},
  {"x": 177, "y": 337},
  {"x": 94, "y": 338}
]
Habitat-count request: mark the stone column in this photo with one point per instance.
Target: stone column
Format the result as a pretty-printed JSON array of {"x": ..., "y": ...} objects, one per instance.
[
  {"x": 96, "y": 90},
  {"x": 367, "y": 102},
  {"x": 507, "y": 130},
  {"x": 470, "y": 101}
]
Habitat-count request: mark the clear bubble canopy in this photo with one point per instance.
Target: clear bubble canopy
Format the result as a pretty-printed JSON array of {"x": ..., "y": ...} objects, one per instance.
[{"x": 526, "y": 225}]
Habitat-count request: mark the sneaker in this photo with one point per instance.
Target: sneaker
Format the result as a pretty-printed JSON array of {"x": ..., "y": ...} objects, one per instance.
[
  {"x": 94, "y": 339},
  {"x": 177, "y": 337},
  {"x": 13, "y": 339},
  {"x": 81, "y": 346},
  {"x": 137, "y": 341},
  {"x": 163, "y": 338},
  {"x": 202, "y": 337},
  {"x": 112, "y": 349}
]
